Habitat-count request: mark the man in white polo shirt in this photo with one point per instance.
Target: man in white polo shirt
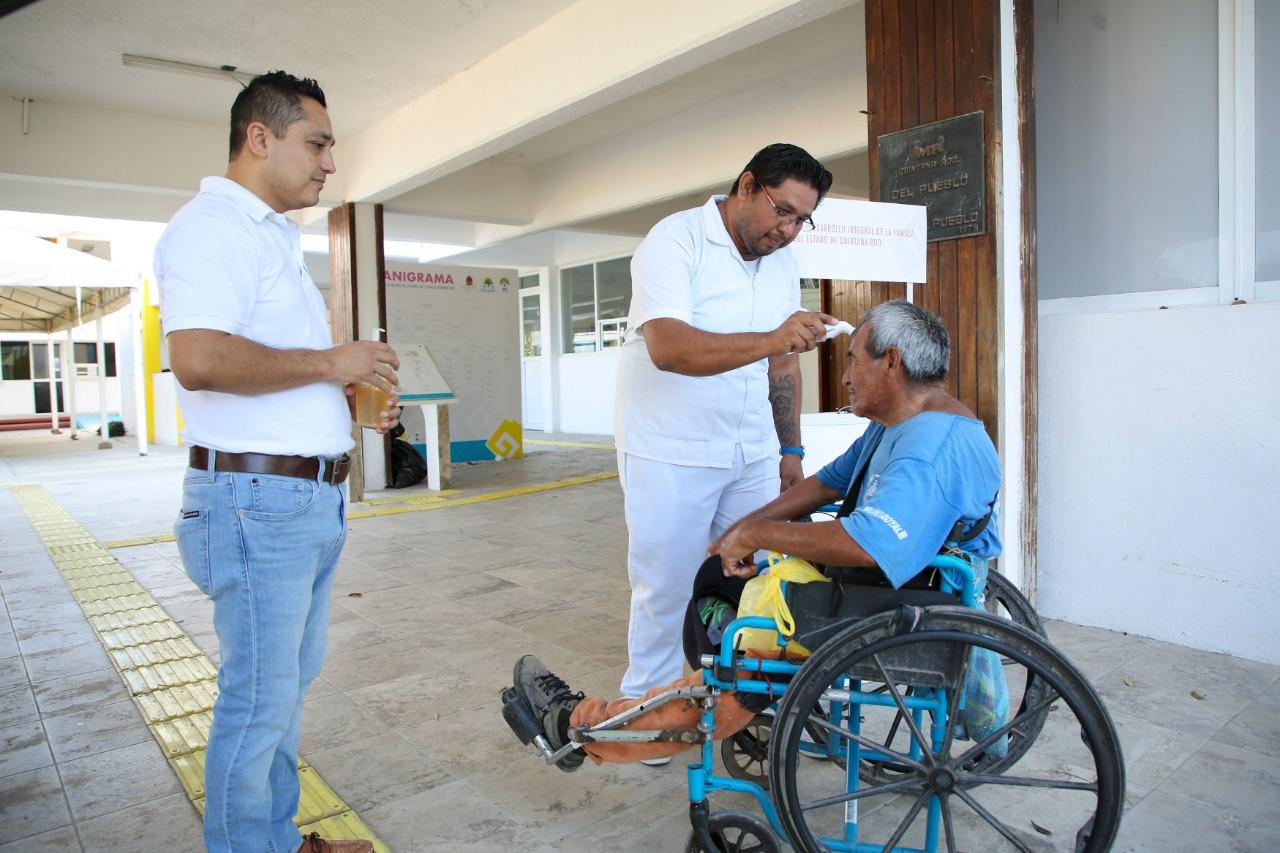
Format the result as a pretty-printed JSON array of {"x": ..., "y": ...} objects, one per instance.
[
  {"x": 262, "y": 387},
  {"x": 709, "y": 387}
]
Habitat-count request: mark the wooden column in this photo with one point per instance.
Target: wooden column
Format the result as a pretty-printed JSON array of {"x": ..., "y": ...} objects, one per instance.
[
  {"x": 357, "y": 304},
  {"x": 930, "y": 60},
  {"x": 1024, "y": 44}
]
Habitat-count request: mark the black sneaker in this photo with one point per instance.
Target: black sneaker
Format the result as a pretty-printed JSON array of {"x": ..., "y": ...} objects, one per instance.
[{"x": 551, "y": 702}]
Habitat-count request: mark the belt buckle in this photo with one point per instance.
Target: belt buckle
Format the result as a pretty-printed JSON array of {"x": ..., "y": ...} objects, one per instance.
[{"x": 334, "y": 474}]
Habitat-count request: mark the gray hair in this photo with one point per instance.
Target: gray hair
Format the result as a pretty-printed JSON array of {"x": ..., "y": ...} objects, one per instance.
[{"x": 918, "y": 335}]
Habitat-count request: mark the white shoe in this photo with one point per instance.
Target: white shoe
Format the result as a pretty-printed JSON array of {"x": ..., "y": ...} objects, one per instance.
[{"x": 656, "y": 762}]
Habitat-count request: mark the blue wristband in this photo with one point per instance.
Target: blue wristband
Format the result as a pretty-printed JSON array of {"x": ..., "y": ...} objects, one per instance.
[{"x": 794, "y": 451}]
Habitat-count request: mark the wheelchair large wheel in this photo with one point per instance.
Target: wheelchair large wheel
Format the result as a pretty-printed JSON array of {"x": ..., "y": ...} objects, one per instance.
[
  {"x": 736, "y": 832},
  {"x": 1067, "y": 793},
  {"x": 1005, "y": 601}
]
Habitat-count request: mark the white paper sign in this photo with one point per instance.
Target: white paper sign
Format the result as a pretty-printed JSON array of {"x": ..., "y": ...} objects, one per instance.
[{"x": 864, "y": 241}]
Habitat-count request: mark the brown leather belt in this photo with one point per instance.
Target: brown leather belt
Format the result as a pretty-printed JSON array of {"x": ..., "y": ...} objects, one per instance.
[{"x": 303, "y": 467}]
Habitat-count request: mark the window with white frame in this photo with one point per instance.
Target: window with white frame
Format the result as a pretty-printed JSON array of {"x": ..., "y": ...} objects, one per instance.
[
  {"x": 87, "y": 359},
  {"x": 530, "y": 316},
  {"x": 1153, "y": 144},
  {"x": 15, "y": 360},
  {"x": 1126, "y": 146},
  {"x": 1266, "y": 151},
  {"x": 594, "y": 300}
]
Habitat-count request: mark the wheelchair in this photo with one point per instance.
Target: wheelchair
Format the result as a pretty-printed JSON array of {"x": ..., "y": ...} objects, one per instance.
[{"x": 866, "y": 736}]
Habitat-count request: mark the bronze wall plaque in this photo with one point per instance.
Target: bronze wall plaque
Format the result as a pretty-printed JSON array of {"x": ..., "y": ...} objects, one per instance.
[{"x": 941, "y": 166}]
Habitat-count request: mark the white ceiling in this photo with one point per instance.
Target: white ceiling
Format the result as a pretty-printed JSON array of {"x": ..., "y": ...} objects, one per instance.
[
  {"x": 375, "y": 56},
  {"x": 784, "y": 58},
  {"x": 370, "y": 56}
]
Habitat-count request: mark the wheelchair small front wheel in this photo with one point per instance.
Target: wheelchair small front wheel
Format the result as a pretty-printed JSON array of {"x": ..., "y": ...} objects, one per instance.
[
  {"x": 736, "y": 832},
  {"x": 746, "y": 752}
]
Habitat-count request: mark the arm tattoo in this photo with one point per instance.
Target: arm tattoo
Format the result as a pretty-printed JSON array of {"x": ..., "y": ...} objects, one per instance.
[{"x": 782, "y": 393}]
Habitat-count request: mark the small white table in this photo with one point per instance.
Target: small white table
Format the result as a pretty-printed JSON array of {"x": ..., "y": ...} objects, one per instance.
[
  {"x": 826, "y": 435},
  {"x": 435, "y": 428}
]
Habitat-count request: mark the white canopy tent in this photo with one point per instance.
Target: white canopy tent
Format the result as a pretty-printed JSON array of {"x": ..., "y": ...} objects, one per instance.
[
  {"x": 42, "y": 282},
  {"x": 49, "y": 288}
]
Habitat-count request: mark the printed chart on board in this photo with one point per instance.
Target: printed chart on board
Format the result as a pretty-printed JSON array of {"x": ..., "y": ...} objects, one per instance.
[{"x": 467, "y": 319}]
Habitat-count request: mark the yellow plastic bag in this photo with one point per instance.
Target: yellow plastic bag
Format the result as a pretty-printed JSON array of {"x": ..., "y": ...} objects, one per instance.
[{"x": 762, "y": 596}]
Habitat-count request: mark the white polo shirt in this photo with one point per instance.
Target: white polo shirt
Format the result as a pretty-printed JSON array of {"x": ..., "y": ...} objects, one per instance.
[
  {"x": 229, "y": 262},
  {"x": 688, "y": 269}
]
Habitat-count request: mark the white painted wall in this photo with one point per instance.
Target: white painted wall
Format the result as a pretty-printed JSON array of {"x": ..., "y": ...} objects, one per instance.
[
  {"x": 87, "y": 400},
  {"x": 809, "y": 382},
  {"x": 1159, "y": 462},
  {"x": 587, "y": 384},
  {"x": 532, "y": 397},
  {"x": 165, "y": 396},
  {"x": 17, "y": 397}
]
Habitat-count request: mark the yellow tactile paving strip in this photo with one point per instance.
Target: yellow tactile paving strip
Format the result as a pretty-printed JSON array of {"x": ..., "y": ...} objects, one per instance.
[
  {"x": 587, "y": 445},
  {"x": 397, "y": 506},
  {"x": 172, "y": 682}
]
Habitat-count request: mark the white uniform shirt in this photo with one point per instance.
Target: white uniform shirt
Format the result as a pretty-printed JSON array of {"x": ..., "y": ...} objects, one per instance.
[
  {"x": 688, "y": 269},
  {"x": 229, "y": 262}
]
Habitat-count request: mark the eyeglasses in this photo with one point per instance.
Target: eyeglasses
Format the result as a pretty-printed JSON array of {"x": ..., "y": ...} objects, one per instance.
[{"x": 785, "y": 216}]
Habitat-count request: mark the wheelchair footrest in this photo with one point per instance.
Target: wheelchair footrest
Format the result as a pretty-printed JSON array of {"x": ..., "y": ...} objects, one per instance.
[
  {"x": 520, "y": 716},
  {"x": 584, "y": 735}
]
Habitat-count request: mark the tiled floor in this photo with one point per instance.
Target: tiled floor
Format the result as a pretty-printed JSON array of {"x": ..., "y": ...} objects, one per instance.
[{"x": 429, "y": 612}]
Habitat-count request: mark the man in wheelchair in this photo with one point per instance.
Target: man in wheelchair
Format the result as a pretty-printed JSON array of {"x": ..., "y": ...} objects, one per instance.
[{"x": 925, "y": 473}]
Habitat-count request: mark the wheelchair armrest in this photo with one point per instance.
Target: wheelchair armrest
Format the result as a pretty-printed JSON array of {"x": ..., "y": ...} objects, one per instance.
[
  {"x": 957, "y": 576},
  {"x": 724, "y": 658}
]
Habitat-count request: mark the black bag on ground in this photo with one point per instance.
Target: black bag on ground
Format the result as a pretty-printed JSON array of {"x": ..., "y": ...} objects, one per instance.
[{"x": 408, "y": 468}]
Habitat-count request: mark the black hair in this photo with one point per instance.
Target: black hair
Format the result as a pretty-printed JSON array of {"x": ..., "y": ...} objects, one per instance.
[
  {"x": 275, "y": 99},
  {"x": 774, "y": 163}
]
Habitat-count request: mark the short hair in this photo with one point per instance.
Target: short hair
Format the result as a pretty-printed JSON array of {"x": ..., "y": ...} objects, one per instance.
[
  {"x": 918, "y": 335},
  {"x": 275, "y": 99},
  {"x": 774, "y": 163}
]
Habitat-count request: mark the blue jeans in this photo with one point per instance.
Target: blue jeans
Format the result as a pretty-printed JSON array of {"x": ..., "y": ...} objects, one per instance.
[{"x": 264, "y": 548}]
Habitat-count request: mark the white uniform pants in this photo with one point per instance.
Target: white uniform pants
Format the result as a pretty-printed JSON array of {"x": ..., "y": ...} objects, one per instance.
[{"x": 673, "y": 512}]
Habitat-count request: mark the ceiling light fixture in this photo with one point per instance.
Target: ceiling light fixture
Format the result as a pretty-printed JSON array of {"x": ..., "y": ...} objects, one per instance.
[{"x": 224, "y": 72}]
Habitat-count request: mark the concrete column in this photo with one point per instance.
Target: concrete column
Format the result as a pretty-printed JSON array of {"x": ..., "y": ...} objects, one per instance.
[
  {"x": 548, "y": 367},
  {"x": 53, "y": 387},
  {"x": 69, "y": 382},
  {"x": 551, "y": 347},
  {"x": 104, "y": 443},
  {"x": 138, "y": 377}
]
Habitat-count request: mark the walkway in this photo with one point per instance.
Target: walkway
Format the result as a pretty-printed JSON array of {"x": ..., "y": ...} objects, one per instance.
[{"x": 430, "y": 610}]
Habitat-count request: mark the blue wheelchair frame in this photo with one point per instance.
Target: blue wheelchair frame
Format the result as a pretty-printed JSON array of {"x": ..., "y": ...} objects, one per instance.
[{"x": 956, "y": 576}]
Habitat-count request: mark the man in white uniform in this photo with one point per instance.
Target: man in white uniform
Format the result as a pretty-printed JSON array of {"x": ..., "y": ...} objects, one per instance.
[
  {"x": 263, "y": 516},
  {"x": 709, "y": 387}
]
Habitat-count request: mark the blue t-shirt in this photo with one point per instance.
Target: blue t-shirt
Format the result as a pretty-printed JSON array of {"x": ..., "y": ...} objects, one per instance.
[{"x": 925, "y": 474}]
